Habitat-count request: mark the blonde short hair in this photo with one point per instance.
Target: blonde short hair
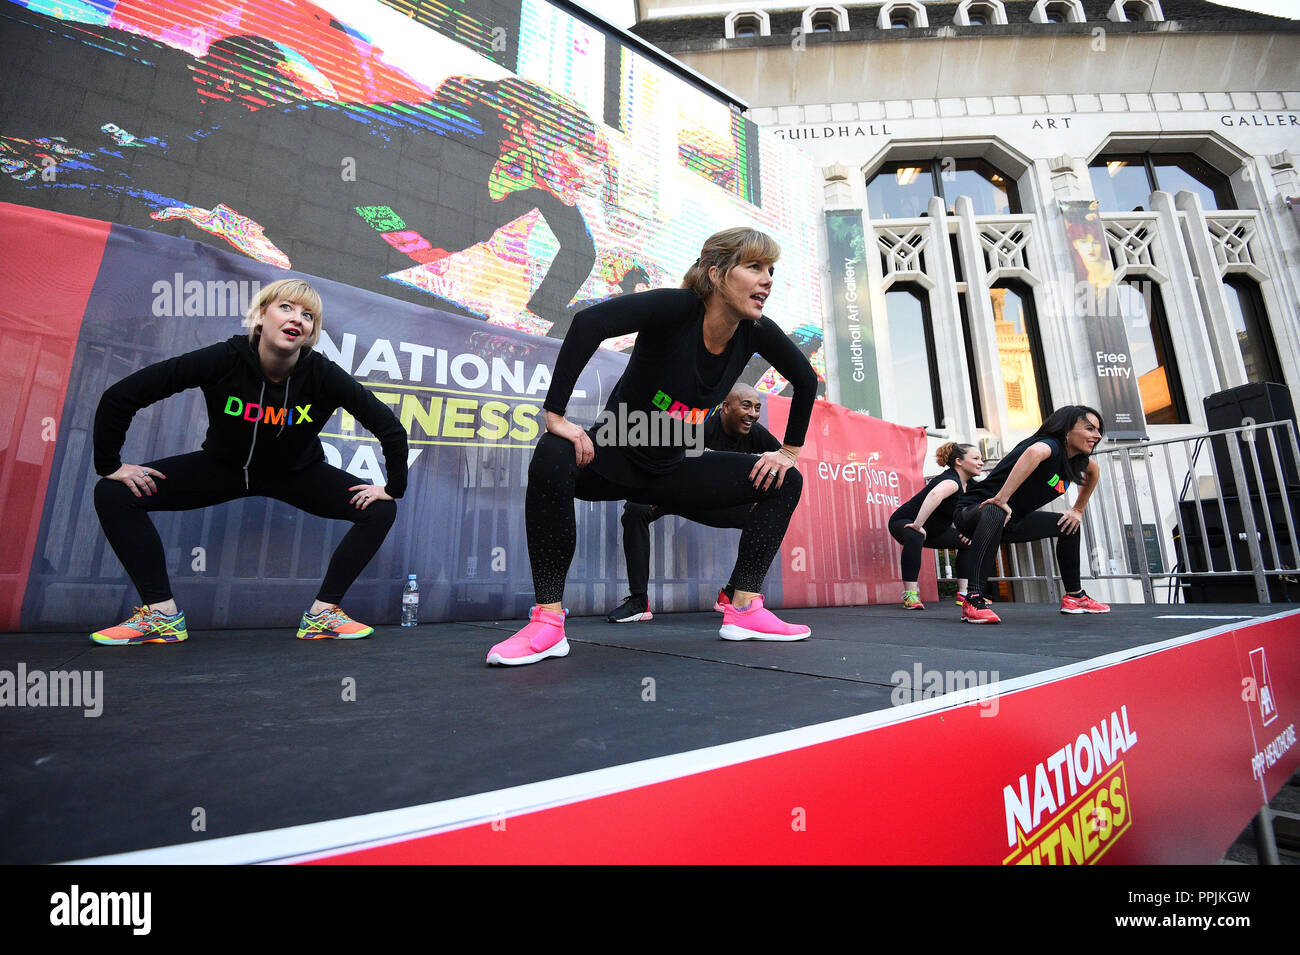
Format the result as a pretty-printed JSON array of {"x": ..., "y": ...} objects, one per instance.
[
  {"x": 295, "y": 291},
  {"x": 726, "y": 250}
]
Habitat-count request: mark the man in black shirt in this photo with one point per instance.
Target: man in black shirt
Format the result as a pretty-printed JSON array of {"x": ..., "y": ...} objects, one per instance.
[{"x": 734, "y": 428}]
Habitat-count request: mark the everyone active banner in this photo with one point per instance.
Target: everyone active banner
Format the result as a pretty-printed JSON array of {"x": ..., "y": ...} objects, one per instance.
[{"x": 87, "y": 303}]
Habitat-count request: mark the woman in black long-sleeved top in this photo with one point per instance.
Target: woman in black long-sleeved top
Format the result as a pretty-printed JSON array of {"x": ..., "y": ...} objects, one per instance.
[
  {"x": 692, "y": 344},
  {"x": 268, "y": 396},
  {"x": 926, "y": 519},
  {"x": 1005, "y": 506}
]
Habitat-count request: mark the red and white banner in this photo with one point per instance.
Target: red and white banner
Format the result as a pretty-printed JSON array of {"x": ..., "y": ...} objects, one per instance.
[{"x": 857, "y": 471}]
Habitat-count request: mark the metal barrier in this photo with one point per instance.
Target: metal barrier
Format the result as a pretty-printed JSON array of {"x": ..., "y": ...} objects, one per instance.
[{"x": 1167, "y": 514}]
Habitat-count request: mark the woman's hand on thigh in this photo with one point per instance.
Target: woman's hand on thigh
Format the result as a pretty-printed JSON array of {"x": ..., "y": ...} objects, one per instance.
[
  {"x": 562, "y": 427},
  {"x": 1070, "y": 521},
  {"x": 366, "y": 494},
  {"x": 138, "y": 478},
  {"x": 1002, "y": 504}
]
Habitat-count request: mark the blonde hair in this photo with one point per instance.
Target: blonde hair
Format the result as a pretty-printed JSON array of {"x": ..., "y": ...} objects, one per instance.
[
  {"x": 951, "y": 450},
  {"x": 295, "y": 291},
  {"x": 726, "y": 250}
]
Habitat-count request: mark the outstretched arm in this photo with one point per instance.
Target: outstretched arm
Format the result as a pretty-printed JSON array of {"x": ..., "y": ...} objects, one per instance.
[
  {"x": 1034, "y": 455},
  {"x": 938, "y": 494},
  {"x": 377, "y": 418},
  {"x": 1072, "y": 518},
  {"x": 139, "y": 390}
]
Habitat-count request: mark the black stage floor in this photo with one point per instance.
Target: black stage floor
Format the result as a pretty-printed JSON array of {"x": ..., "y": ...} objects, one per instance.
[{"x": 250, "y": 730}]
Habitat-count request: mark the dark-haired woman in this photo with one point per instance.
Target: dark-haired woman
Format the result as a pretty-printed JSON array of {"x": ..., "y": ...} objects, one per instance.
[
  {"x": 926, "y": 519},
  {"x": 692, "y": 344},
  {"x": 268, "y": 396},
  {"x": 1004, "y": 507}
]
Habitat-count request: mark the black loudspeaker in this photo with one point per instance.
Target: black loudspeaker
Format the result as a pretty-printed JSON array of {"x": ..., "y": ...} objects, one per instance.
[
  {"x": 1262, "y": 402},
  {"x": 1237, "y": 587}
]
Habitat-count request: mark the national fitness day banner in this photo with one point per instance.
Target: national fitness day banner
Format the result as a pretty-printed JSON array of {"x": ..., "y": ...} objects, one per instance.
[{"x": 87, "y": 304}]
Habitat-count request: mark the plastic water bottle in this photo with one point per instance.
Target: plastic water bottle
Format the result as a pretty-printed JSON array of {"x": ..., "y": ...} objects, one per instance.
[{"x": 411, "y": 602}]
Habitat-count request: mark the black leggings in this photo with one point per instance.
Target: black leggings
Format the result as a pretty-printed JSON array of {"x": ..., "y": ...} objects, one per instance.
[
  {"x": 984, "y": 527},
  {"x": 637, "y": 519},
  {"x": 713, "y": 480},
  {"x": 201, "y": 479},
  {"x": 938, "y": 538}
]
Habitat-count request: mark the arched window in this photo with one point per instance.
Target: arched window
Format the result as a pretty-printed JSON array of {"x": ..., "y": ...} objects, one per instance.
[
  {"x": 747, "y": 23},
  {"x": 902, "y": 15},
  {"x": 1254, "y": 336},
  {"x": 979, "y": 13},
  {"x": 827, "y": 19},
  {"x": 1152, "y": 352},
  {"x": 1135, "y": 10},
  {"x": 903, "y": 189},
  {"x": 1124, "y": 182},
  {"x": 913, "y": 356},
  {"x": 1057, "y": 11},
  {"x": 1020, "y": 353}
]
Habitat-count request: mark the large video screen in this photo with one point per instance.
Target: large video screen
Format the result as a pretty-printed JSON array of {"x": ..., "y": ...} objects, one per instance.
[{"x": 501, "y": 160}]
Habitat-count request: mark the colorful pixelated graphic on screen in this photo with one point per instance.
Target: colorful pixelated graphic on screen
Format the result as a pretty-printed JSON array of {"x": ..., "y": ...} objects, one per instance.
[{"x": 500, "y": 160}]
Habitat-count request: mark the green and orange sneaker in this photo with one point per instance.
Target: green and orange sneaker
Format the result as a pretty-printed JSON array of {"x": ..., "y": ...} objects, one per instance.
[
  {"x": 145, "y": 625},
  {"x": 331, "y": 624},
  {"x": 912, "y": 600}
]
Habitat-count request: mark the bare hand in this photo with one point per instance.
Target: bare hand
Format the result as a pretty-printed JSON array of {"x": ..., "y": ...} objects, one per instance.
[
  {"x": 562, "y": 427},
  {"x": 771, "y": 466},
  {"x": 1070, "y": 521},
  {"x": 1002, "y": 504},
  {"x": 919, "y": 530},
  {"x": 367, "y": 494},
  {"x": 138, "y": 478}
]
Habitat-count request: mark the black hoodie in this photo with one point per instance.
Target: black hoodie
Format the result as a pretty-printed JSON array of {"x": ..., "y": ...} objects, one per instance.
[{"x": 253, "y": 423}]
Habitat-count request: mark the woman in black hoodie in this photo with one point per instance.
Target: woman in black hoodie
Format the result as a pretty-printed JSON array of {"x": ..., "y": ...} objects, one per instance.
[{"x": 268, "y": 396}]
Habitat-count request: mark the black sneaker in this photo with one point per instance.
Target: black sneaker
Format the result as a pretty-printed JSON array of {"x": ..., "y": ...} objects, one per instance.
[{"x": 632, "y": 610}]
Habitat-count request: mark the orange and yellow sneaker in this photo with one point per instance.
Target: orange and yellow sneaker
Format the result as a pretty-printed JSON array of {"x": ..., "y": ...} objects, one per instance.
[
  {"x": 145, "y": 625},
  {"x": 331, "y": 624}
]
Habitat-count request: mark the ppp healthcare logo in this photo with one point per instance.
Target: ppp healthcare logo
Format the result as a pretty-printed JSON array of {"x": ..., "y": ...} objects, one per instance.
[
  {"x": 1259, "y": 688},
  {"x": 1077, "y": 805}
]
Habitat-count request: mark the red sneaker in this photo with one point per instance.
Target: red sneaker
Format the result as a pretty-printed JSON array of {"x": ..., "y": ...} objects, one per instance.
[
  {"x": 976, "y": 609},
  {"x": 1083, "y": 604},
  {"x": 722, "y": 603}
]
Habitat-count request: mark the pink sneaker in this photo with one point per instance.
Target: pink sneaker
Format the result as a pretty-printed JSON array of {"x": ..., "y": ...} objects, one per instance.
[
  {"x": 722, "y": 603},
  {"x": 756, "y": 622},
  {"x": 543, "y": 637}
]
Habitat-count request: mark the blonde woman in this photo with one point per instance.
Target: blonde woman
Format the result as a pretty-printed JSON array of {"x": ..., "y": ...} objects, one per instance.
[{"x": 268, "y": 396}]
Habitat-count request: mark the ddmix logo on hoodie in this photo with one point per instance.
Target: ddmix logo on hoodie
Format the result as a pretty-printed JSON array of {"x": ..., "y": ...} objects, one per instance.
[{"x": 268, "y": 414}]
